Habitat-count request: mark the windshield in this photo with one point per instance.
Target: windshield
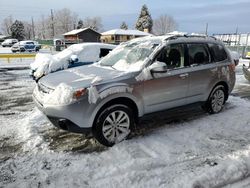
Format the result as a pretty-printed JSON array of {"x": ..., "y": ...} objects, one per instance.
[{"x": 129, "y": 56}]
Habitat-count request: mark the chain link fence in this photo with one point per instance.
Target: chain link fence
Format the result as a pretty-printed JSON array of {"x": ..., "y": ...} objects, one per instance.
[{"x": 236, "y": 42}]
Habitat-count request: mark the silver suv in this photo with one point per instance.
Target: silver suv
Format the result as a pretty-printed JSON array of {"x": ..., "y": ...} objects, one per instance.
[{"x": 139, "y": 77}]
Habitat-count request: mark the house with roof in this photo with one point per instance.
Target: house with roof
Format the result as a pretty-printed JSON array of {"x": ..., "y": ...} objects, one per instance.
[
  {"x": 81, "y": 35},
  {"x": 117, "y": 36}
]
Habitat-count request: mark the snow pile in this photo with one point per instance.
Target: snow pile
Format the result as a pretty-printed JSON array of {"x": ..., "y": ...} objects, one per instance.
[
  {"x": 159, "y": 158},
  {"x": 63, "y": 94},
  {"x": 28, "y": 131},
  {"x": 229, "y": 172},
  {"x": 235, "y": 55},
  {"x": 94, "y": 94}
]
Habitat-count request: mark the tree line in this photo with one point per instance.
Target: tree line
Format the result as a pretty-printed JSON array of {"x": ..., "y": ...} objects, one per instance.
[{"x": 64, "y": 20}]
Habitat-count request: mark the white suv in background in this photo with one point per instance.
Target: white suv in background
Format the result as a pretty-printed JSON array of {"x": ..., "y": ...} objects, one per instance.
[{"x": 9, "y": 42}]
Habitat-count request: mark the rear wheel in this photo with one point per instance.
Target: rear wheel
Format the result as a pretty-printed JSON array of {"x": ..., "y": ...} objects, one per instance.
[
  {"x": 113, "y": 124},
  {"x": 216, "y": 100}
]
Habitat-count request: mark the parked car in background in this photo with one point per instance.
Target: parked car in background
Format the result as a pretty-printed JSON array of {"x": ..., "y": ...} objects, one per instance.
[
  {"x": 248, "y": 55},
  {"x": 73, "y": 56},
  {"x": 25, "y": 46},
  {"x": 9, "y": 42},
  {"x": 38, "y": 46},
  {"x": 138, "y": 77}
]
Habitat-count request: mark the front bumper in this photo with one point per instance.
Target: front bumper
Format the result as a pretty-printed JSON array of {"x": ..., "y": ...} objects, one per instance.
[
  {"x": 64, "y": 116},
  {"x": 68, "y": 125}
]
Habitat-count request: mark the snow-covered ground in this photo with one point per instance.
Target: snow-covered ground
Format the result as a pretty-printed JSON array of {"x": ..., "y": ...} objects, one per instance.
[{"x": 178, "y": 148}]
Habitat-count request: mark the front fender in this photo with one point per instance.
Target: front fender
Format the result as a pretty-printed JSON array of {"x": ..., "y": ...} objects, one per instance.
[{"x": 101, "y": 102}]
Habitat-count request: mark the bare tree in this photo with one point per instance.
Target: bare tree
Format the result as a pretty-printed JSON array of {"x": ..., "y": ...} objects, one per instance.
[
  {"x": 64, "y": 20},
  {"x": 94, "y": 23},
  {"x": 42, "y": 27},
  {"x": 164, "y": 24},
  {"x": 6, "y": 24},
  {"x": 27, "y": 30}
]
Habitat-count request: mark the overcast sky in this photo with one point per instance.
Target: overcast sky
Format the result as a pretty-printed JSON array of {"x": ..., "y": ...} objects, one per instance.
[{"x": 222, "y": 16}]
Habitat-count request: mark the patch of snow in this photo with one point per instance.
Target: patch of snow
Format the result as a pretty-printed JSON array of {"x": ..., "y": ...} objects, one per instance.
[
  {"x": 146, "y": 72},
  {"x": 126, "y": 32},
  {"x": 226, "y": 173},
  {"x": 92, "y": 94},
  {"x": 177, "y": 33},
  {"x": 63, "y": 94},
  {"x": 97, "y": 79},
  {"x": 234, "y": 55},
  {"x": 28, "y": 131},
  {"x": 144, "y": 75}
]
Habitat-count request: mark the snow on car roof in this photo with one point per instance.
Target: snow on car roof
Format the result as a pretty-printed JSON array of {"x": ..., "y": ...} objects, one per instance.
[
  {"x": 93, "y": 44},
  {"x": 126, "y": 32}
]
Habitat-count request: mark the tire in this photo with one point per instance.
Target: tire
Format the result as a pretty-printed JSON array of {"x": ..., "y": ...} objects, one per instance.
[
  {"x": 216, "y": 100},
  {"x": 113, "y": 124}
]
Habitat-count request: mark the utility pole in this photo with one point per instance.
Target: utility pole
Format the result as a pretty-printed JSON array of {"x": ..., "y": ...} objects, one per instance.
[
  {"x": 206, "y": 29},
  {"x": 33, "y": 28},
  {"x": 52, "y": 23},
  {"x": 236, "y": 35}
]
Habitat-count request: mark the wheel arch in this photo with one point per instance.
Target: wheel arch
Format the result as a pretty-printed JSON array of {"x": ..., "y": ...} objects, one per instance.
[
  {"x": 124, "y": 100},
  {"x": 223, "y": 83}
]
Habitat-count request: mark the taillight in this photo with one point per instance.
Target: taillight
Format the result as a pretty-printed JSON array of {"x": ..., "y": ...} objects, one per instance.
[{"x": 231, "y": 67}]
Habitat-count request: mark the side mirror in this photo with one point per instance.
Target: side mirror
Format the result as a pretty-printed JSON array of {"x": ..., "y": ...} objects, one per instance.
[
  {"x": 158, "y": 67},
  {"x": 73, "y": 59}
]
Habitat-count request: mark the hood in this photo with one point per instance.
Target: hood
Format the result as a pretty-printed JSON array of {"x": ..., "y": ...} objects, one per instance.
[{"x": 82, "y": 76}]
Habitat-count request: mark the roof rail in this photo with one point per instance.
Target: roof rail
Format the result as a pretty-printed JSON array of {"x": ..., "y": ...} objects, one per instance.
[{"x": 190, "y": 36}]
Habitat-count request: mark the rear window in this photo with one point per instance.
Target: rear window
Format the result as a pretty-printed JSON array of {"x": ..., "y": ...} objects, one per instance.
[
  {"x": 218, "y": 52},
  {"x": 198, "y": 54}
]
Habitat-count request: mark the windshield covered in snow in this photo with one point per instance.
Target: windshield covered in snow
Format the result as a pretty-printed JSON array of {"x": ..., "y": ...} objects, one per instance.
[{"x": 129, "y": 56}]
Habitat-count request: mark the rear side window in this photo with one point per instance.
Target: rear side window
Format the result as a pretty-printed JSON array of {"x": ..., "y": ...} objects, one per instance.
[
  {"x": 218, "y": 52},
  {"x": 197, "y": 54},
  {"x": 104, "y": 52}
]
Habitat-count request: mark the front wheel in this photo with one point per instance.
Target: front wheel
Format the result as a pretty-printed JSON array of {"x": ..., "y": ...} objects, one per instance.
[
  {"x": 113, "y": 124},
  {"x": 216, "y": 100}
]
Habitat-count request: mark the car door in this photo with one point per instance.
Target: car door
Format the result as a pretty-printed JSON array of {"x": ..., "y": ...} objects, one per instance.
[
  {"x": 168, "y": 88},
  {"x": 202, "y": 72}
]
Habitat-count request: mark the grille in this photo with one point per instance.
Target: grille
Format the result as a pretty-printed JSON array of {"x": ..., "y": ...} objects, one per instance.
[{"x": 44, "y": 89}]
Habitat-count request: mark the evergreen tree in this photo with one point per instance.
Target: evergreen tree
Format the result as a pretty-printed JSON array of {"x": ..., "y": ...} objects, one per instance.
[
  {"x": 17, "y": 30},
  {"x": 124, "y": 26},
  {"x": 144, "y": 21},
  {"x": 79, "y": 24}
]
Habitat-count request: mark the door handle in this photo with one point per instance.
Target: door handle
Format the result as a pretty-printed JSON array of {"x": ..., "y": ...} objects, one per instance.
[{"x": 183, "y": 76}]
